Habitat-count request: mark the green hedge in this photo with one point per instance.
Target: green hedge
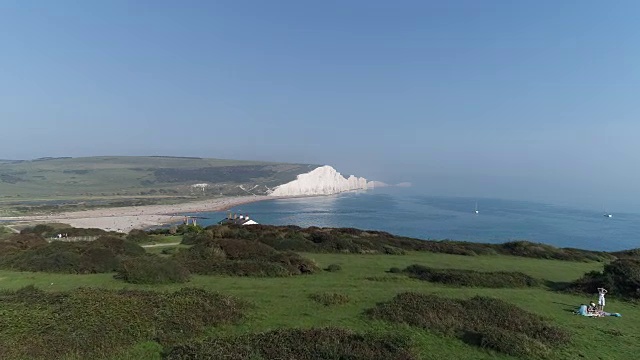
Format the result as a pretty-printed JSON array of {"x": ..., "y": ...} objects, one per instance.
[{"x": 458, "y": 277}]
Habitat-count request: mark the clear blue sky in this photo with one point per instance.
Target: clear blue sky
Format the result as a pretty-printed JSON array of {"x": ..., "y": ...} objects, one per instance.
[{"x": 523, "y": 99}]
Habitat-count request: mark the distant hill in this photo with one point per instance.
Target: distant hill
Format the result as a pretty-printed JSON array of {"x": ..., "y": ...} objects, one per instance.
[{"x": 150, "y": 179}]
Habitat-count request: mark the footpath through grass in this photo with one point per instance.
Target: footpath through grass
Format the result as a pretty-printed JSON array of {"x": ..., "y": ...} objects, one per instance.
[{"x": 286, "y": 302}]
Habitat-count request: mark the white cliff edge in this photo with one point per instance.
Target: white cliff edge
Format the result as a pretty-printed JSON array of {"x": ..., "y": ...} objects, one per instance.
[{"x": 324, "y": 180}]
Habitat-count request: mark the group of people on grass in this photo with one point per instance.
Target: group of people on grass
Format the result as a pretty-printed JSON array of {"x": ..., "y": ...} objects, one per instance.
[
  {"x": 598, "y": 309},
  {"x": 594, "y": 310}
]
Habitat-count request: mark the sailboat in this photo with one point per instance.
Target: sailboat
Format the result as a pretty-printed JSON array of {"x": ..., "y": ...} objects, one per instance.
[
  {"x": 606, "y": 214},
  {"x": 477, "y": 212}
]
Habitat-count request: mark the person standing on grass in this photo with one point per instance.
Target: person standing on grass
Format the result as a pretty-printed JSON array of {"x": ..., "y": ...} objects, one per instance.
[{"x": 601, "y": 293}]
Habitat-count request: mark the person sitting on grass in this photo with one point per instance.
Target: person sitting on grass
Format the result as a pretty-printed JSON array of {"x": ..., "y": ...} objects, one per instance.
[{"x": 591, "y": 308}]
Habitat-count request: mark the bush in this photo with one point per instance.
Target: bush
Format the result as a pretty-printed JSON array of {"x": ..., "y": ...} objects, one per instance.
[
  {"x": 188, "y": 229},
  {"x": 348, "y": 240},
  {"x": 242, "y": 258},
  {"x": 299, "y": 344},
  {"x": 196, "y": 238},
  {"x": 395, "y": 270},
  {"x": 329, "y": 299},
  {"x": 508, "y": 342},
  {"x": 458, "y": 277},
  {"x": 333, "y": 268},
  {"x": 99, "y": 256},
  {"x": 481, "y": 321},
  {"x": 152, "y": 270},
  {"x": 621, "y": 278},
  {"x": 118, "y": 246},
  {"x": 239, "y": 249},
  {"x": 18, "y": 242},
  {"x": 91, "y": 323},
  {"x": 138, "y": 236}
]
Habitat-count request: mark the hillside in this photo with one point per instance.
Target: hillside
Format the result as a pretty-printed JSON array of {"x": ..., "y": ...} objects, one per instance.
[
  {"x": 240, "y": 292},
  {"x": 47, "y": 183}
]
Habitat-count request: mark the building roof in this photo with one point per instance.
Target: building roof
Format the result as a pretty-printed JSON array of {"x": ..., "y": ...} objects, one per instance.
[{"x": 237, "y": 220}]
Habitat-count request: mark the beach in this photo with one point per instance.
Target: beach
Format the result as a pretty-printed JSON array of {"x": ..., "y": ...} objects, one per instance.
[{"x": 125, "y": 219}]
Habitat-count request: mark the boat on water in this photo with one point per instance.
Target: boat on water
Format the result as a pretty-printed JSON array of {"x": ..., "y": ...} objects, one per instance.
[{"x": 477, "y": 211}]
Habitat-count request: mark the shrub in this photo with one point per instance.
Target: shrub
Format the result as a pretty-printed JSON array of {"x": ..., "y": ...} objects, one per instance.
[
  {"x": 138, "y": 236},
  {"x": 348, "y": 240},
  {"x": 508, "y": 342},
  {"x": 481, "y": 321},
  {"x": 621, "y": 278},
  {"x": 102, "y": 255},
  {"x": 18, "y": 242},
  {"x": 39, "y": 229},
  {"x": 168, "y": 251},
  {"x": 295, "y": 263},
  {"x": 118, "y": 246},
  {"x": 392, "y": 250},
  {"x": 458, "y": 277},
  {"x": 329, "y": 299},
  {"x": 333, "y": 268},
  {"x": 242, "y": 258},
  {"x": 152, "y": 270},
  {"x": 249, "y": 268},
  {"x": 187, "y": 229},
  {"x": 196, "y": 238},
  {"x": 238, "y": 249},
  {"x": 93, "y": 323},
  {"x": 299, "y": 344},
  {"x": 395, "y": 270}
]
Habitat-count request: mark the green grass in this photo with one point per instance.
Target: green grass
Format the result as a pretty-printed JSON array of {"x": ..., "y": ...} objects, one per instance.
[
  {"x": 285, "y": 302},
  {"x": 163, "y": 239}
]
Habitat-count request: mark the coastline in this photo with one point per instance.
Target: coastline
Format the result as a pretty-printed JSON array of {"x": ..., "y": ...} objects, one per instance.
[{"x": 125, "y": 219}]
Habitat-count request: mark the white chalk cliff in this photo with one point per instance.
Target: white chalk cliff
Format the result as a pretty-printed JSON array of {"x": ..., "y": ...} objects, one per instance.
[{"x": 324, "y": 180}]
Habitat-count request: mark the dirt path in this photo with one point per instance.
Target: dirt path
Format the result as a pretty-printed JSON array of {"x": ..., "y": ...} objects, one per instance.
[{"x": 158, "y": 245}]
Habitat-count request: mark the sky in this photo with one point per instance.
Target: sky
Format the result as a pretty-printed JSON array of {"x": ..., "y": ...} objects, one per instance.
[{"x": 532, "y": 100}]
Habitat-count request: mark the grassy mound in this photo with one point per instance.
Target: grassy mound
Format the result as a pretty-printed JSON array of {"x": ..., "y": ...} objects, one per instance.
[
  {"x": 90, "y": 322},
  {"x": 497, "y": 279},
  {"x": 152, "y": 270},
  {"x": 621, "y": 278},
  {"x": 349, "y": 240},
  {"x": 99, "y": 256},
  {"x": 299, "y": 344},
  {"x": 242, "y": 258},
  {"x": 330, "y": 299},
  {"x": 481, "y": 321}
]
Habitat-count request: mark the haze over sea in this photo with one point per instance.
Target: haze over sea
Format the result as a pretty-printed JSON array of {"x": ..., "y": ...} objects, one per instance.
[{"x": 402, "y": 212}]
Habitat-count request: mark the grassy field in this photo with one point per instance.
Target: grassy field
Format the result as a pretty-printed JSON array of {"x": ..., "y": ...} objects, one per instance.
[
  {"x": 285, "y": 302},
  {"x": 78, "y": 183}
]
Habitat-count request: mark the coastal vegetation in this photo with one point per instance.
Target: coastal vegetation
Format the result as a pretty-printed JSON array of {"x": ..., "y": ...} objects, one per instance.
[
  {"x": 299, "y": 344},
  {"x": 228, "y": 290},
  {"x": 482, "y": 321},
  {"x": 620, "y": 277},
  {"x": 355, "y": 241},
  {"x": 458, "y": 277},
  {"x": 96, "y": 323}
]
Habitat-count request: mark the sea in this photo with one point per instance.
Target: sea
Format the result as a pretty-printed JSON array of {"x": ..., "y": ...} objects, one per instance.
[{"x": 436, "y": 218}]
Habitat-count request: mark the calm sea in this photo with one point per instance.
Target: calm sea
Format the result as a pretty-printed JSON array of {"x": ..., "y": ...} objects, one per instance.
[{"x": 429, "y": 217}]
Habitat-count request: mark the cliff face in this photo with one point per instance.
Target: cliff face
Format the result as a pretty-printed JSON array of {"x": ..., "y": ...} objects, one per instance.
[{"x": 324, "y": 180}]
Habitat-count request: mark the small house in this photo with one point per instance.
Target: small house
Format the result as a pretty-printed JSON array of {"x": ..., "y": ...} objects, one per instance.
[{"x": 237, "y": 219}]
